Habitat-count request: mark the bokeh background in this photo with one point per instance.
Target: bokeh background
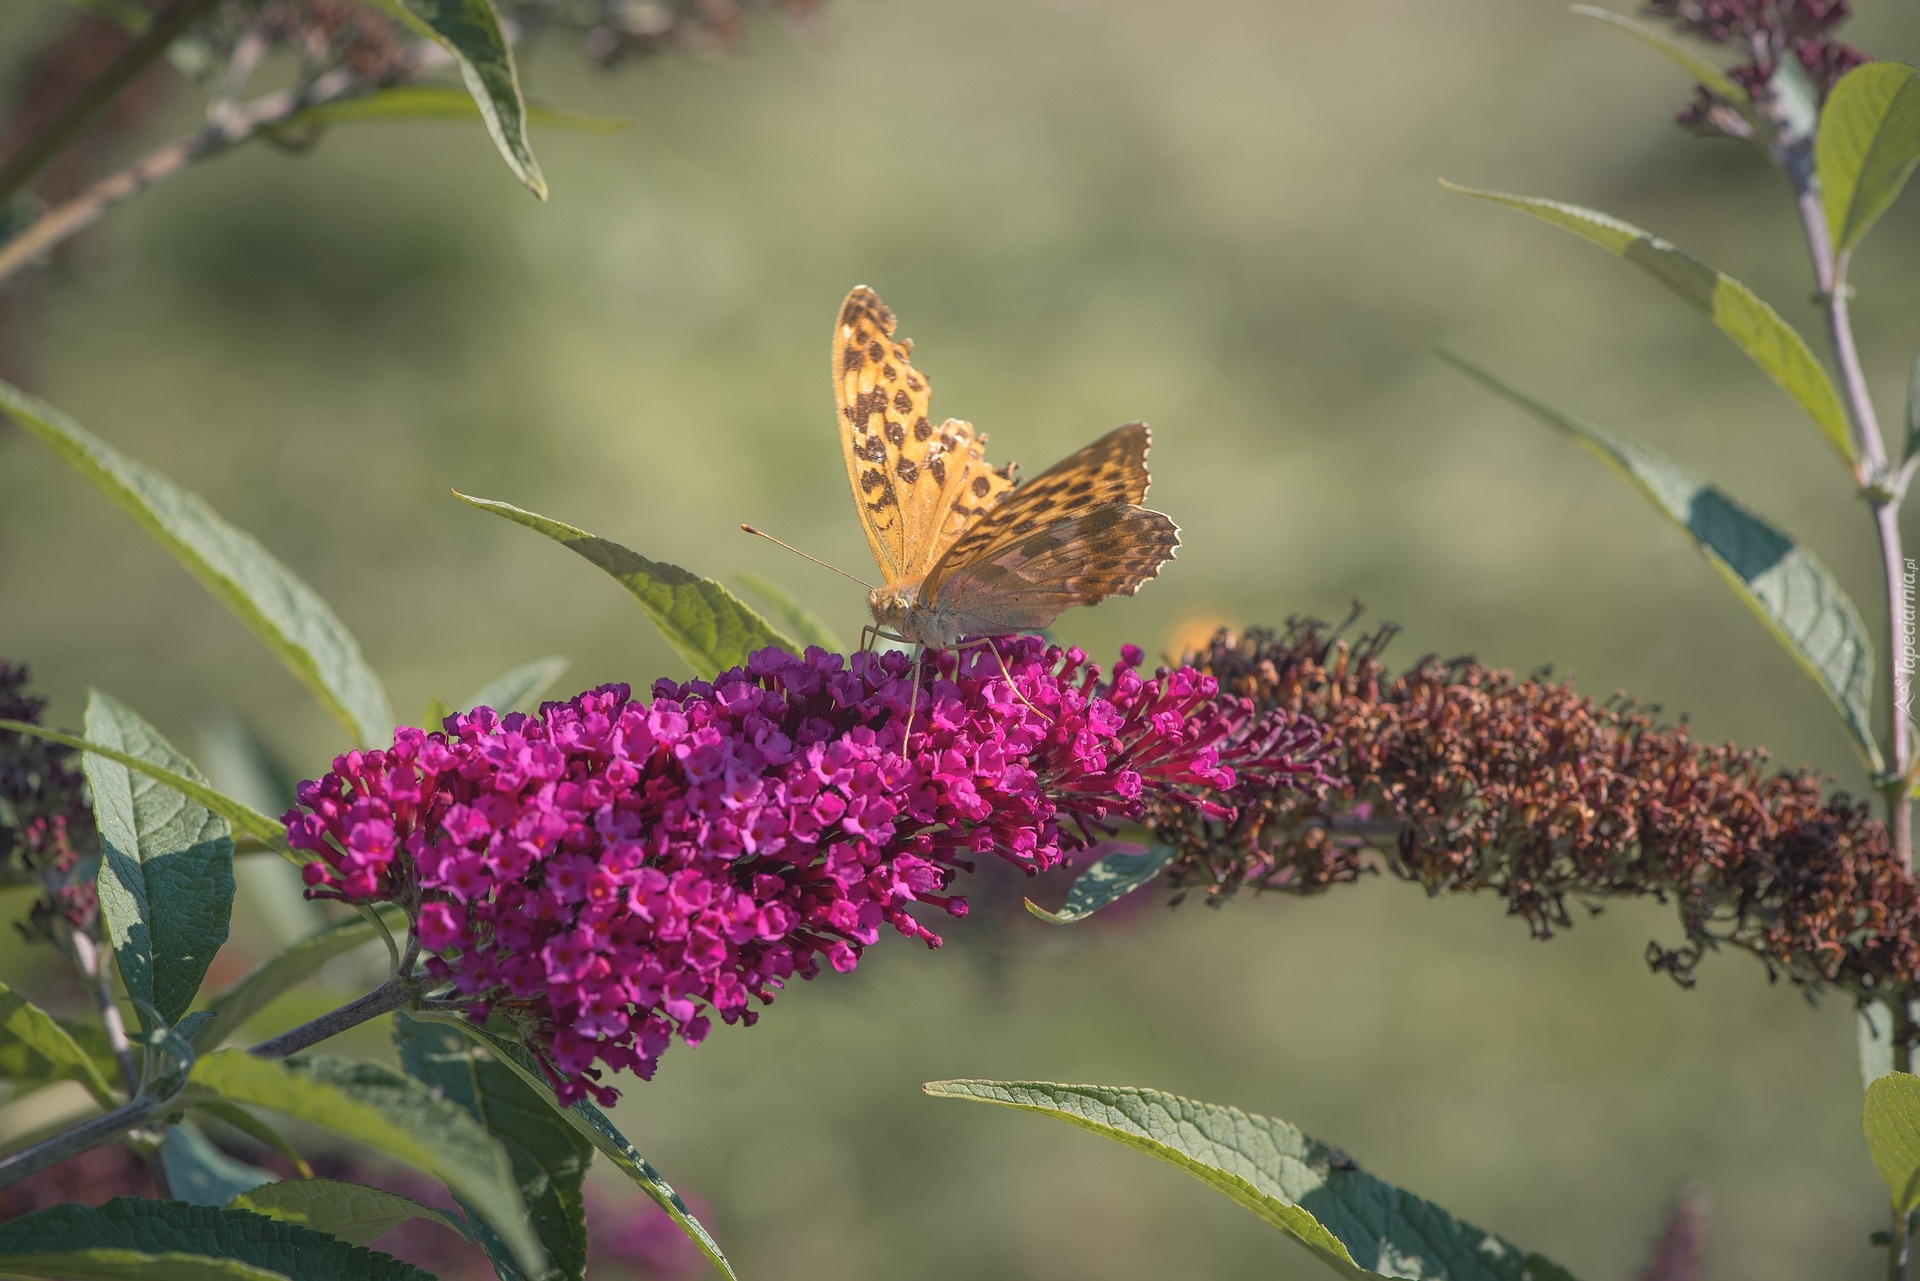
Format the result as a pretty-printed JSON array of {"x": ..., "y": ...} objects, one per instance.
[{"x": 1220, "y": 217}]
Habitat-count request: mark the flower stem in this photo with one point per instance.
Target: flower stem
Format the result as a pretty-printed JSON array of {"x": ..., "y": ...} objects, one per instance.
[
  {"x": 24, "y": 165},
  {"x": 86, "y": 1136}
]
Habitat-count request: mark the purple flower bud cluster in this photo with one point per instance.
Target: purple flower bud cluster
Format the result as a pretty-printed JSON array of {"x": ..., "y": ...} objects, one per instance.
[
  {"x": 612, "y": 873},
  {"x": 46, "y": 824},
  {"x": 1763, "y": 32}
]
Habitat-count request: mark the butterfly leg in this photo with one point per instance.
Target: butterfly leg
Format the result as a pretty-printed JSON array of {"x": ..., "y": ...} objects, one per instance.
[
  {"x": 1001, "y": 658},
  {"x": 913, "y": 705}
]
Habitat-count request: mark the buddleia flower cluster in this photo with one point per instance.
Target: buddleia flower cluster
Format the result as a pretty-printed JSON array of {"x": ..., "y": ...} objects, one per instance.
[
  {"x": 46, "y": 824},
  {"x": 614, "y": 873},
  {"x": 1763, "y": 33},
  {"x": 1466, "y": 779}
]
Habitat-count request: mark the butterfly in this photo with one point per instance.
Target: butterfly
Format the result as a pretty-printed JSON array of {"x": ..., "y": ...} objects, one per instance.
[{"x": 964, "y": 548}]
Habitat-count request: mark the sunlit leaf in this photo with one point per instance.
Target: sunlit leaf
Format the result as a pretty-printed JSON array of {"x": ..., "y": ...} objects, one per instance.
[
  {"x": 281, "y": 610},
  {"x": 709, "y": 627},
  {"x": 1108, "y": 880},
  {"x": 1756, "y": 328},
  {"x": 1784, "y": 584},
  {"x": 1891, "y": 1119},
  {"x": 1867, "y": 146},
  {"x": 166, "y": 864},
  {"x": 51, "y": 1051},
  {"x": 1313, "y": 1192},
  {"x": 470, "y": 31}
]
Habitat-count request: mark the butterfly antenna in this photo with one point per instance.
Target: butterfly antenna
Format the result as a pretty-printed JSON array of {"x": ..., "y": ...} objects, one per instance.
[{"x": 761, "y": 533}]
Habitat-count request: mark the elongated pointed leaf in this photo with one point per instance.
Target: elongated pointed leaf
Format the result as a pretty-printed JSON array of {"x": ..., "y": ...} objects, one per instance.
[
  {"x": 166, "y": 864},
  {"x": 50, "y": 1050},
  {"x": 1710, "y": 77},
  {"x": 592, "y": 1123},
  {"x": 281, "y": 971},
  {"x": 133, "y": 1237},
  {"x": 440, "y": 102},
  {"x": 1313, "y": 1192},
  {"x": 1110, "y": 879},
  {"x": 709, "y": 627},
  {"x": 1756, "y": 328},
  {"x": 470, "y": 31},
  {"x": 1784, "y": 584},
  {"x": 1891, "y": 1119},
  {"x": 200, "y": 1173},
  {"x": 550, "y": 1158},
  {"x": 808, "y": 627},
  {"x": 256, "y": 1129},
  {"x": 243, "y": 817},
  {"x": 351, "y": 1211},
  {"x": 1867, "y": 146},
  {"x": 519, "y": 689},
  {"x": 390, "y": 1113},
  {"x": 281, "y": 610}
]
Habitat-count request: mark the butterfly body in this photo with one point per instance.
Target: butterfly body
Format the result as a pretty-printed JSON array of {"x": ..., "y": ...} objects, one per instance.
[{"x": 965, "y": 549}]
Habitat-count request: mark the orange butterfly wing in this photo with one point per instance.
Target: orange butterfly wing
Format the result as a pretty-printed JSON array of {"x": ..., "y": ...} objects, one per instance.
[{"x": 917, "y": 486}]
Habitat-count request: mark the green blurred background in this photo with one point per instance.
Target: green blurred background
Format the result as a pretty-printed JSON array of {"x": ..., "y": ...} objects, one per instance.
[{"x": 1219, "y": 217}]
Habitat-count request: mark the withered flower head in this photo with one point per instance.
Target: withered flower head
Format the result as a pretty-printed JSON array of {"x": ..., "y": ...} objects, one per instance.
[{"x": 1465, "y": 779}]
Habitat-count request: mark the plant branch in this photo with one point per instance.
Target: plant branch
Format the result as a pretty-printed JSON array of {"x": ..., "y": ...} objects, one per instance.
[
  {"x": 389, "y": 996},
  {"x": 228, "y": 130},
  {"x": 24, "y": 165},
  {"x": 86, "y": 1136},
  {"x": 1877, "y": 484}
]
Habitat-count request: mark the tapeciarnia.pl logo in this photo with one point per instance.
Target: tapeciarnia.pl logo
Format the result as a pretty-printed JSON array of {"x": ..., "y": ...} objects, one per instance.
[{"x": 1904, "y": 661}]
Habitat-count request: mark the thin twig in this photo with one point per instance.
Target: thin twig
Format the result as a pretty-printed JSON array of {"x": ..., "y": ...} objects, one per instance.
[
  {"x": 25, "y": 164},
  {"x": 86, "y": 1136}
]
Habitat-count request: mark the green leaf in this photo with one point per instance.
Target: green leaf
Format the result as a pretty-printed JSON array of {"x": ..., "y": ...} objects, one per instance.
[
  {"x": 1787, "y": 588},
  {"x": 200, "y": 1173},
  {"x": 244, "y": 818},
  {"x": 1891, "y": 1119},
  {"x": 550, "y": 1158},
  {"x": 134, "y": 1237},
  {"x": 1711, "y": 78},
  {"x": 351, "y": 1211},
  {"x": 51, "y": 1053},
  {"x": 709, "y": 627},
  {"x": 1913, "y": 407},
  {"x": 470, "y": 31},
  {"x": 390, "y": 1113},
  {"x": 439, "y": 102},
  {"x": 517, "y": 690},
  {"x": 1108, "y": 880},
  {"x": 281, "y": 971},
  {"x": 262, "y": 593},
  {"x": 1311, "y": 1191},
  {"x": 166, "y": 864},
  {"x": 806, "y": 625},
  {"x": 256, "y": 1129},
  {"x": 1756, "y": 328},
  {"x": 1868, "y": 143},
  {"x": 599, "y": 1131}
]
